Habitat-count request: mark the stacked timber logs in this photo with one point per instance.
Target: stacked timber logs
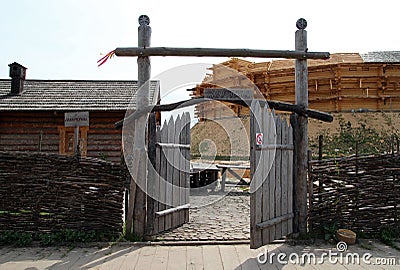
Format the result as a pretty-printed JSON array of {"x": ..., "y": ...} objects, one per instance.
[
  {"x": 49, "y": 193},
  {"x": 359, "y": 193},
  {"x": 343, "y": 83}
]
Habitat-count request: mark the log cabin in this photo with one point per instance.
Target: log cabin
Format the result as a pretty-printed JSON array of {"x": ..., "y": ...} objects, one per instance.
[{"x": 32, "y": 114}]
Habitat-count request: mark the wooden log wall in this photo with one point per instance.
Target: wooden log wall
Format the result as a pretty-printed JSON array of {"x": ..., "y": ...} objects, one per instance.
[
  {"x": 340, "y": 84},
  {"x": 43, "y": 192},
  {"x": 38, "y": 131},
  {"x": 104, "y": 141},
  {"x": 359, "y": 193},
  {"x": 30, "y": 131}
]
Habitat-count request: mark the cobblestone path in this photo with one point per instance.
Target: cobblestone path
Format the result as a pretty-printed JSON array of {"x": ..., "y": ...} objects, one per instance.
[{"x": 224, "y": 219}]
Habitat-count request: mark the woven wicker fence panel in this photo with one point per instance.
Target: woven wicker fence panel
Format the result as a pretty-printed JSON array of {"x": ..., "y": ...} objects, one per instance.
[
  {"x": 359, "y": 193},
  {"x": 48, "y": 193}
]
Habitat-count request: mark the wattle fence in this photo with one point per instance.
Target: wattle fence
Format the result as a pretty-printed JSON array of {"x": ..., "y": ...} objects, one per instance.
[
  {"x": 358, "y": 193},
  {"x": 50, "y": 193}
]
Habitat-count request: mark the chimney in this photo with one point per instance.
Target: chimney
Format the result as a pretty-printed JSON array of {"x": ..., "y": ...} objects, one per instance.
[{"x": 17, "y": 74}]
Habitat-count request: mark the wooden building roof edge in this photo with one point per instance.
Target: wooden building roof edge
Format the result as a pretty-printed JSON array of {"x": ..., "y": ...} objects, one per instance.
[{"x": 31, "y": 99}]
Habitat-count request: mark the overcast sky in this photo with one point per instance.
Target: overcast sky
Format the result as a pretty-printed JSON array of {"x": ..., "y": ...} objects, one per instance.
[{"x": 63, "y": 39}]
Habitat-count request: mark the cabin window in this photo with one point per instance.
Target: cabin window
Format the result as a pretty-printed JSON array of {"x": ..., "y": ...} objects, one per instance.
[{"x": 66, "y": 142}]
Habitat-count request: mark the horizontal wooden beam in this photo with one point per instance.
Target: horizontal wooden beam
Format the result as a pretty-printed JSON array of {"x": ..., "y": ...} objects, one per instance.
[
  {"x": 280, "y": 106},
  {"x": 173, "y": 145},
  {"x": 232, "y": 166},
  {"x": 289, "y": 147},
  {"x": 274, "y": 221},
  {"x": 172, "y": 210},
  {"x": 218, "y": 52}
]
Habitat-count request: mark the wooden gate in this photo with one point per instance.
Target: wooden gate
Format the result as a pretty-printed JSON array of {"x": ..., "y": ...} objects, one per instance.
[
  {"x": 172, "y": 178},
  {"x": 271, "y": 161}
]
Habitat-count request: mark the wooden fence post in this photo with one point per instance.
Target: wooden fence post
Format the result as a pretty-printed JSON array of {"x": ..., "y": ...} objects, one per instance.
[
  {"x": 151, "y": 176},
  {"x": 137, "y": 198},
  {"x": 310, "y": 186},
  {"x": 320, "y": 151},
  {"x": 301, "y": 130},
  {"x": 320, "y": 145}
]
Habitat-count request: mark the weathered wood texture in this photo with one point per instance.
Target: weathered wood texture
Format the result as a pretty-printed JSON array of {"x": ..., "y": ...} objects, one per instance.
[
  {"x": 301, "y": 136},
  {"x": 217, "y": 52},
  {"x": 281, "y": 106},
  {"x": 173, "y": 167},
  {"x": 341, "y": 84},
  {"x": 140, "y": 177},
  {"x": 271, "y": 201},
  {"x": 359, "y": 193},
  {"x": 59, "y": 192},
  {"x": 40, "y": 131},
  {"x": 151, "y": 175}
]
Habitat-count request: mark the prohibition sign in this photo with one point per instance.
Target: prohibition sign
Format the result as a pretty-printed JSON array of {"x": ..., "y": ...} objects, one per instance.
[{"x": 259, "y": 138}]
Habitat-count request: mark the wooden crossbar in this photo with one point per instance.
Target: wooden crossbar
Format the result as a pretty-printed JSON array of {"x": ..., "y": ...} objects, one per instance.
[
  {"x": 172, "y": 210},
  {"x": 275, "y": 146},
  {"x": 280, "y": 106},
  {"x": 244, "y": 167},
  {"x": 274, "y": 221},
  {"x": 219, "y": 52},
  {"x": 173, "y": 145}
]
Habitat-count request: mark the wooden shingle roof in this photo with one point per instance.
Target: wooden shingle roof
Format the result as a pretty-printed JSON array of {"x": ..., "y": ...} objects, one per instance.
[{"x": 71, "y": 95}]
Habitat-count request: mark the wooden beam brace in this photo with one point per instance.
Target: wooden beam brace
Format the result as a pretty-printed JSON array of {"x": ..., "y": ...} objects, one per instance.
[
  {"x": 218, "y": 52},
  {"x": 289, "y": 147},
  {"x": 173, "y": 145},
  {"x": 273, "y": 221},
  {"x": 280, "y": 106},
  {"x": 238, "y": 177},
  {"x": 172, "y": 210}
]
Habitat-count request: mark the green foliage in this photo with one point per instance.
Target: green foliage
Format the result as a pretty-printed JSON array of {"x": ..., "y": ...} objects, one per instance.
[
  {"x": 24, "y": 239},
  {"x": 330, "y": 231},
  {"x": 47, "y": 239},
  {"x": 103, "y": 156},
  {"x": 129, "y": 236},
  {"x": 133, "y": 238},
  {"x": 20, "y": 239},
  {"x": 348, "y": 140},
  {"x": 388, "y": 235},
  {"x": 68, "y": 236}
]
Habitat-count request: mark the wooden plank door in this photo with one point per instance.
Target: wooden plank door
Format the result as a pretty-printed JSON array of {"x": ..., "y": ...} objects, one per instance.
[
  {"x": 172, "y": 180},
  {"x": 271, "y": 188}
]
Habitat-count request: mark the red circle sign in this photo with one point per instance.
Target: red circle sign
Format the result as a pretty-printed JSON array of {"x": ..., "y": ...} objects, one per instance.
[{"x": 259, "y": 138}]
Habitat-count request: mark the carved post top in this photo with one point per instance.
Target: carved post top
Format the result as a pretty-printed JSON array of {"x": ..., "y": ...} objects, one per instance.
[
  {"x": 144, "y": 20},
  {"x": 301, "y": 24}
]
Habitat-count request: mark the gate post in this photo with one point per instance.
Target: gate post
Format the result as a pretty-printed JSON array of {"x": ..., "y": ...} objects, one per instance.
[
  {"x": 300, "y": 130},
  {"x": 137, "y": 196},
  {"x": 151, "y": 176}
]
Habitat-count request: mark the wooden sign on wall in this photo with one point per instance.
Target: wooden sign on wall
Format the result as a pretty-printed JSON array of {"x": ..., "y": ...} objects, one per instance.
[{"x": 76, "y": 119}]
